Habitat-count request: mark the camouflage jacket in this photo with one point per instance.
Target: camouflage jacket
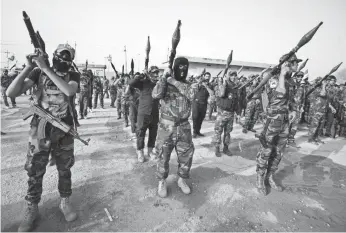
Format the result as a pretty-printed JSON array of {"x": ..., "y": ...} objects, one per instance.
[
  {"x": 6, "y": 81},
  {"x": 97, "y": 84},
  {"x": 176, "y": 98},
  {"x": 318, "y": 102},
  {"x": 105, "y": 84}
]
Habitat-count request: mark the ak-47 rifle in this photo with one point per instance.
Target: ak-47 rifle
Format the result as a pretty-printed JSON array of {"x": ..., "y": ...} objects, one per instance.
[
  {"x": 44, "y": 115},
  {"x": 238, "y": 72},
  {"x": 320, "y": 82},
  {"x": 254, "y": 77},
  {"x": 229, "y": 60},
  {"x": 36, "y": 38},
  {"x": 175, "y": 42},
  {"x": 304, "y": 40},
  {"x": 147, "y": 51},
  {"x": 219, "y": 73}
]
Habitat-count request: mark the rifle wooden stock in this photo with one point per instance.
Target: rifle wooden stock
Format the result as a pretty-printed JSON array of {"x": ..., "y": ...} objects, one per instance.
[{"x": 304, "y": 40}]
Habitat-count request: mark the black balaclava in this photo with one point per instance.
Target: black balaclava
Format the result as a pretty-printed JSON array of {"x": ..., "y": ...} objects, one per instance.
[
  {"x": 62, "y": 61},
  {"x": 178, "y": 74}
]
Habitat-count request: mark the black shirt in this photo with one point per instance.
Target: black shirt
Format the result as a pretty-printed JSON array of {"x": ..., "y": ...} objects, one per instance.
[
  {"x": 202, "y": 95},
  {"x": 147, "y": 105}
]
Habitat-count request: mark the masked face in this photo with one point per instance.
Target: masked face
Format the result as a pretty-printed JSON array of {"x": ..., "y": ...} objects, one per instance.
[
  {"x": 180, "y": 68},
  {"x": 62, "y": 62}
]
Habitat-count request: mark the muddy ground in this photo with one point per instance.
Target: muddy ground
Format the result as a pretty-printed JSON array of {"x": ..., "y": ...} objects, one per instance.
[{"x": 224, "y": 197}]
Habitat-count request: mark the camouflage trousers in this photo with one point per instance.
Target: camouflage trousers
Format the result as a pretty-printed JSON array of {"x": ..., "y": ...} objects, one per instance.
[
  {"x": 330, "y": 120},
  {"x": 211, "y": 109},
  {"x": 125, "y": 109},
  {"x": 251, "y": 114},
  {"x": 223, "y": 124},
  {"x": 83, "y": 103},
  {"x": 118, "y": 105},
  {"x": 4, "y": 96},
  {"x": 98, "y": 94},
  {"x": 133, "y": 112},
  {"x": 61, "y": 146},
  {"x": 293, "y": 127},
  {"x": 172, "y": 135},
  {"x": 113, "y": 98},
  {"x": 316, "y": 124},
  {"x": 275, "y": 134}
]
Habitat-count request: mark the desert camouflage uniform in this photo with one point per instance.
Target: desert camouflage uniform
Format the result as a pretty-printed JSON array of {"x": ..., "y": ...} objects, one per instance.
[
  {"x": 98, "y": 91},
  {"x": 225, "y": 117},
  {"x": 174, "y": 128},
  {"x": 317, "y": 113}
]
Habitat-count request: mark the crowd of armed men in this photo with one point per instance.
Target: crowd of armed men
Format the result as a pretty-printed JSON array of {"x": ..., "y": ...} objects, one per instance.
[{"x": 162, "y": 105}]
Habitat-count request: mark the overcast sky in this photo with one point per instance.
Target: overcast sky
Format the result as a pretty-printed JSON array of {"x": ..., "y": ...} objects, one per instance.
[{"x": 257, "y": 31}]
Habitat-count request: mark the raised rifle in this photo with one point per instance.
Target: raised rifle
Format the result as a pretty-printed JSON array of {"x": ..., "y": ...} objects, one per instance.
[
  {"x": 301, "y": 67},
  {"x": 229, "y": 60},
  {"x": 56, "y": 122},
  {"x": 175, "y": 42},
  {"x": 36, "y": 38},
  {"x": 238, "y": 72},
  {"x": 254, "y": 77},
  {"x": 147, "y": 51},
  {"x": 132, "y": 67},
  {"x": 304, "y": 40},
  {"x": 116, "y": 72},
  {"x": 325, "y": 77}
]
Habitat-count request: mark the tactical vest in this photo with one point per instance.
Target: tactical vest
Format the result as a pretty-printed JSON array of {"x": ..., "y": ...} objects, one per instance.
[
  {"x": 228, "y": 102},
  {"x": 51, "y": 98},
  {"x": 175, "y": 104}
]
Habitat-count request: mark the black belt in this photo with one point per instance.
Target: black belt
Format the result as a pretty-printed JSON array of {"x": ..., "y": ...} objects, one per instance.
[
  {"x": 277, "y": 111},
  {"x": 176, "y": 120}
]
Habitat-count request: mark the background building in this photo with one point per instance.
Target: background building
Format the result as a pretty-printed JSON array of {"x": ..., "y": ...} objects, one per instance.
[{"x": 214, "y": 66}]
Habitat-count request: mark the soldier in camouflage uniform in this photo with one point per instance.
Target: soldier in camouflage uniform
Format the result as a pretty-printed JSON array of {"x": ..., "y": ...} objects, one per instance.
[
  {"x": 105, "y": 84},
  {"x": 275, "y": 133},
  {"x": 176, "y": 96},
  {"x": 113, "y": 91},
  {"x": 84, "y": 93},
  {"x": 227, "y": 103},
  {"x": 319, "y": 104},
  {"x": 332, "y": 91},
  {"x": 212, "y": 98},
  {"x": 5, "y": 83},
  {"x": 253, "y": 108},
  {"x": 297, "y": 98},
  {"x": 133, "y": 95},
  {"x": 98, "y": 91},
  {"x": 119, "y": 83},
  {"x": 125, "y": 100},
  {"x": 44, "y": 137}
]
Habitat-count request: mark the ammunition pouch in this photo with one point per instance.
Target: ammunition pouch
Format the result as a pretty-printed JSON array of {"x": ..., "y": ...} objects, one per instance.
[{"x": 174, "y": 119}]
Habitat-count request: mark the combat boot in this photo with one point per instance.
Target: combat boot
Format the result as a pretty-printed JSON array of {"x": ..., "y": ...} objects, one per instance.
[
  {"x": 261, "y": 188},
  {"x": 30, "y": 215},
  {"x": 140, "y": 154},
  {"x": 183, "y": 186},
  {"x": 244, "y": 130},
  {"x": 226, "y": 150},
  {"x": 292, "y": 143},
  {"x": 162, "y": 189},
  {"x": 272, "y": 183},
  {"x": 152, "y": 156},
  {"x": 253, "y": 130},
  {"x": 217, "y": 151},
  {"x": 67, "y": 210}
]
